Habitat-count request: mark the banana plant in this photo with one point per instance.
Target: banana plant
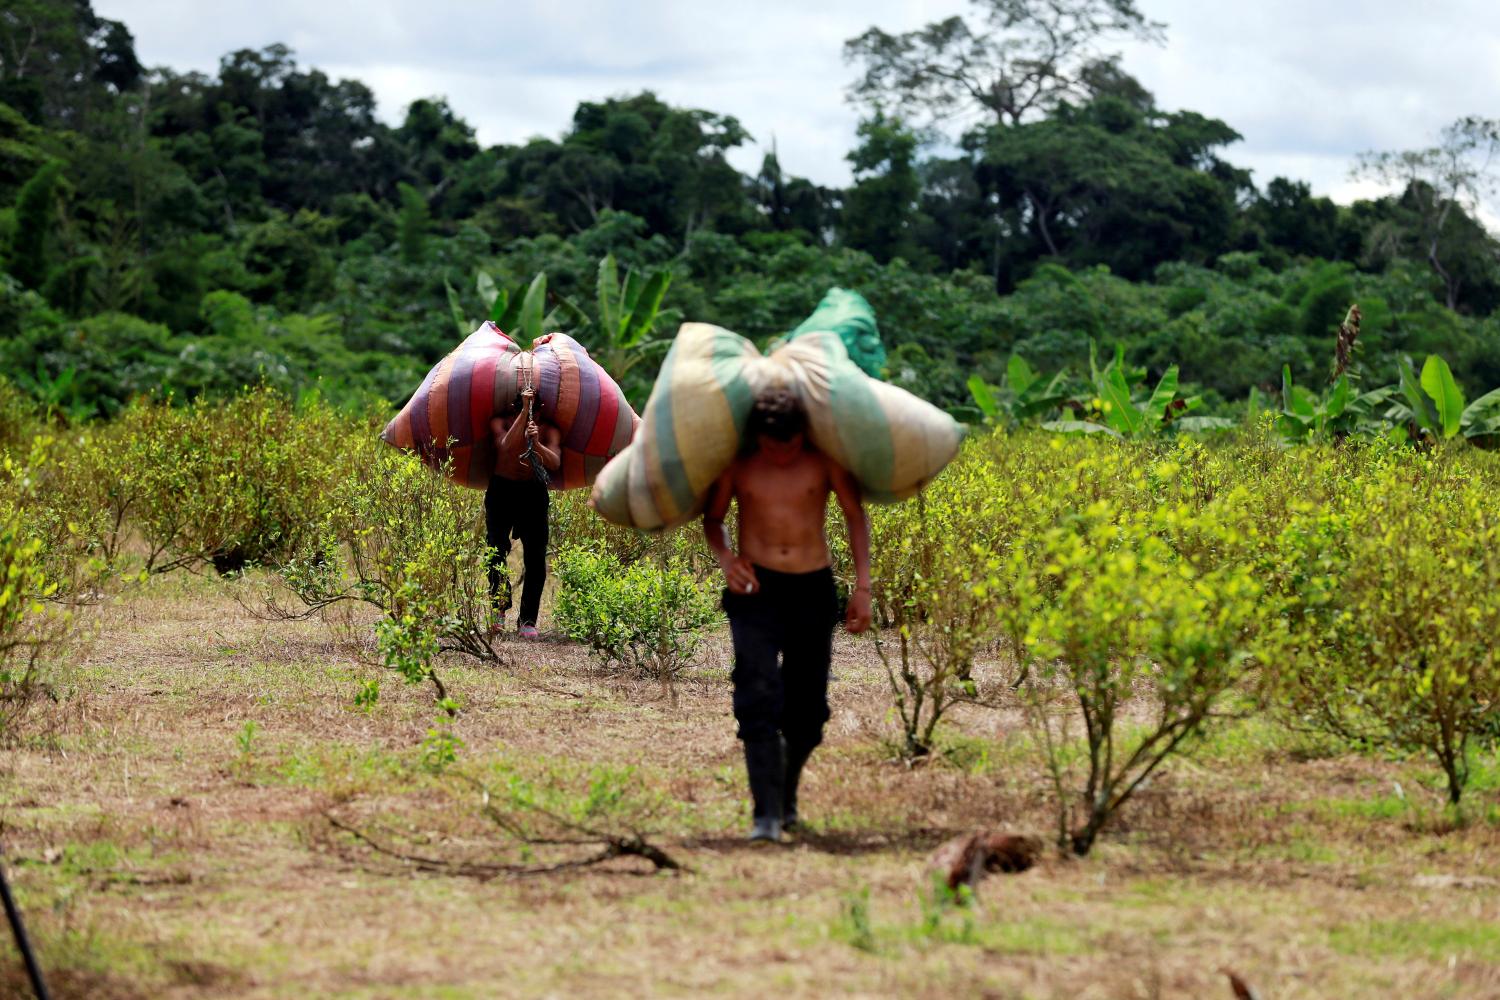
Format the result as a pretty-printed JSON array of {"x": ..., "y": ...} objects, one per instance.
[
  {"x": 628, "y": 309},
  {"x": 1434, "y": 405},
  {"x": 59, "y": 396},
  {"x": 1480, "y": 422},
  {"x": 627, "y": 314},
  {"x": 1026, "y": 395},
  {"x": 522, "y": 314},
  {"x": 1307, "y": 416},
  {"x": 619, "y": 336},
  {"x": 1121, "y": 407}
]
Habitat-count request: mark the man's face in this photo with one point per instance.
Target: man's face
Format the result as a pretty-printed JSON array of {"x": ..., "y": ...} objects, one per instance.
[{"x": 781, "y": 452}]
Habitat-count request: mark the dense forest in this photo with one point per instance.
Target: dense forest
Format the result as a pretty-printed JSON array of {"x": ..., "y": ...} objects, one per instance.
[{"x": 1016, "y": 191}]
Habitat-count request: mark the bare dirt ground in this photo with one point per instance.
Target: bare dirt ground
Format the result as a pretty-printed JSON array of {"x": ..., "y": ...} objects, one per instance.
[{"x": 168, "y": 836}]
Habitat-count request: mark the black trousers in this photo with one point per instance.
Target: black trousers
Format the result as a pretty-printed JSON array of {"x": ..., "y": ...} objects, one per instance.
[
  {"x": 789, "y": 619},
  {"x": 515, "y": 508}
]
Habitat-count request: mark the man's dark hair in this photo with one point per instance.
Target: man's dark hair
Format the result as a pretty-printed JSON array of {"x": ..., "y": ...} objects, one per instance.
[{"x": 777, "y": 414}]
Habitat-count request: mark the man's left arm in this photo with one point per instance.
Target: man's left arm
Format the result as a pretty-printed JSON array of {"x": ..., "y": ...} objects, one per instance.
[{"x": 847, "y": 491}]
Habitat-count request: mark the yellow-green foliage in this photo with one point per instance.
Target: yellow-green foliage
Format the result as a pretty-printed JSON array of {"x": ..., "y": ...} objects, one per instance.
[
  {"x": 931, "y": 562},
  {"x": 1125, "y": 592},
  {"x": 1135, "y": 591},
  {"x": 646, "y": 617},
  {"x": 1116, "y": 612},
  {"x": 232, "y": 483},
  {"x": 574, "y": 524},
  {"x": 32, "y": 630},
  {"x": 1393, "y": 588},
  {"x": 20, "y": 418},
  {"x": 395, "y": 535}
]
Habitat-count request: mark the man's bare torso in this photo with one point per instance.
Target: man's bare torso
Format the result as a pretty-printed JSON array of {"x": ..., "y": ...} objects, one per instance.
[
  {"x": 509, "y": 460},
  {"x": 782, "y": 508}
]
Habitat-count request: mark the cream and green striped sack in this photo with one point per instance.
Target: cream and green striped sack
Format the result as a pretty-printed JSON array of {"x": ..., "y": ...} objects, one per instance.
[{"x": 693, "y": 424}]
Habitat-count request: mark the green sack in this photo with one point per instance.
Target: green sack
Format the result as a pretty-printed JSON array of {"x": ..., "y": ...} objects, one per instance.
[{"x": 847, "y": 314}]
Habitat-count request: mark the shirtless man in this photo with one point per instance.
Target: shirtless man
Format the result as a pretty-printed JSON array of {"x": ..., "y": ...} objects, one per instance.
[
  {"x": 780, "y": 597},
  {"x": 516, "y": 504}
]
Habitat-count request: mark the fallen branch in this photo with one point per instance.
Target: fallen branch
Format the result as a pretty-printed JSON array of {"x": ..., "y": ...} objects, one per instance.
[{"x": 633, "y": 846}]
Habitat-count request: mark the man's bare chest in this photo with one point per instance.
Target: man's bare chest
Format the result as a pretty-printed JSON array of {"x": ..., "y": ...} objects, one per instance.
[{"x": 769, "y": 487}]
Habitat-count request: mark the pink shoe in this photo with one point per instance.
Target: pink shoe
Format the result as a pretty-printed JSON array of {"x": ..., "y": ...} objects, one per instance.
[
  {"x": 497, "y": 628},
  {"x": 527, "y": 632}
]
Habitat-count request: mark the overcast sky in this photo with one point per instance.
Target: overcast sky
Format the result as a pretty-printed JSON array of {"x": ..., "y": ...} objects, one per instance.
[{"x": 1308, "y": 83}]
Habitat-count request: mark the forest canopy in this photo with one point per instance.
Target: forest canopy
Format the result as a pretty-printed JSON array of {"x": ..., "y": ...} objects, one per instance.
[{"x": 191, "y": 233}]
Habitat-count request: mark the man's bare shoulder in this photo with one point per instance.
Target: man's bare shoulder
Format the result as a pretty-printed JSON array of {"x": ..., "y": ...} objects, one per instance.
[
  {"x": 831, "y": 464},
  {"x": 827, "y": 465}
]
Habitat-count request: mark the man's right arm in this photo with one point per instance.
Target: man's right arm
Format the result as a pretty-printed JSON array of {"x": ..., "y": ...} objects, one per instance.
[
  {"x": 508, "y": 431},
  {"x": 739, "y": 575}
]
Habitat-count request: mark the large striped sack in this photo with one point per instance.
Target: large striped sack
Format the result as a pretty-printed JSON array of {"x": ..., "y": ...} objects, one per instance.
[
  {"x": 447, "y": 421},
  {"x": 694, "y": 424}
]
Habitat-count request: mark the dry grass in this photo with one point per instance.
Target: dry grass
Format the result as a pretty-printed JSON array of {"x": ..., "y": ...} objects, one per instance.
[{"x": 159, "y": 850}]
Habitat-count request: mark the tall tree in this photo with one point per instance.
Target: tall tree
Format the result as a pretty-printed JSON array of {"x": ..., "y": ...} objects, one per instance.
[
  {"x": 115, "y": 61},
  {"x": 1294, "y": 219},
  {"x": 791, "y": 204},
  {"x": 318, "y": 138},
  {"x": 20, "y": 149},
  {"x": 1013, "y": 61},
  {"x": 1109, "y": 184},
  {"x": 955, "y": 216},
  {"x": 434, "y": 140},
  {"x": 56, "y": 54},
  {"x": 1443, "y": 183},
  {"x": 639, "y": 155},
  {"x": 36, "y": 218},
  {"x": 413, "y": 225},
  {"x": 880, "y": 209},
  {"x": 770, "y": 190}
]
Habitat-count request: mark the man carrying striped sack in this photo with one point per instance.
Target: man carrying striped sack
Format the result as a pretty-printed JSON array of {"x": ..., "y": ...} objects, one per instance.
[
  {"x": 780, "y": 596},
  {"x": 516, "y": 505}
]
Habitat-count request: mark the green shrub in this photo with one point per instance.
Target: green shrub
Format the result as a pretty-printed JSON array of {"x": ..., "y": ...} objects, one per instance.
[
  {"x": 20, "y": 418},
  {"x": 38, "y": 482},
  {"x": 1116, "y": 613},
  {"x": 1114, "y": 575},
  {"x": 1394, "y": 592},
  {"x": 34, "y": 631},
  {"x": 233, "y": 483},
  {"x": 929, "y": 559},
  {"x": 400, "y": 538},
  {"x": 646, "y": 618}
]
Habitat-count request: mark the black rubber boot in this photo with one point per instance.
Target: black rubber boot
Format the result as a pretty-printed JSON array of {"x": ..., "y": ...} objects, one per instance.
[
  {"x": 765, "y": 764},
  {"x": 796, "y": 758}
]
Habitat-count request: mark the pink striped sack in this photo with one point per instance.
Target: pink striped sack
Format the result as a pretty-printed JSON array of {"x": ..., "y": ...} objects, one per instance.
[{"x": 447, "y": 420}]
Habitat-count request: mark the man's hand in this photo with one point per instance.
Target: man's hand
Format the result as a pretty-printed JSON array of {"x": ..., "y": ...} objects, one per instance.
[
  {"x": 532, "y": 430},
  {"x": 739, "y": 574},
  {"x": 858, "y": 617}
]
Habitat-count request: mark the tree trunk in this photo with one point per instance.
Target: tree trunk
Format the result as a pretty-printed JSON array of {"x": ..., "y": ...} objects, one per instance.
[
  {"x": 1041, "y": 222},
  {"x": 1450, "y": 284}
]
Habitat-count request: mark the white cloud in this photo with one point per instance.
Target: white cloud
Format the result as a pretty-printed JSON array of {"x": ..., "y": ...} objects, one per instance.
[{"x": 1308, "y": 83}]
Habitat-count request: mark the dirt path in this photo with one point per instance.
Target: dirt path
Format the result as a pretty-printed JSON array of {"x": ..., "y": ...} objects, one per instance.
[{"x": 169, "y": 838}]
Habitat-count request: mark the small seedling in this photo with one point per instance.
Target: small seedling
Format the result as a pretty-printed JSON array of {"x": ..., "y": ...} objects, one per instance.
[
  {"x": 855, "y": 926},
  {"x": 368, "y": 695},
  {"x": 440, "y": 748},
  {"x": 245, "y": 738}
]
